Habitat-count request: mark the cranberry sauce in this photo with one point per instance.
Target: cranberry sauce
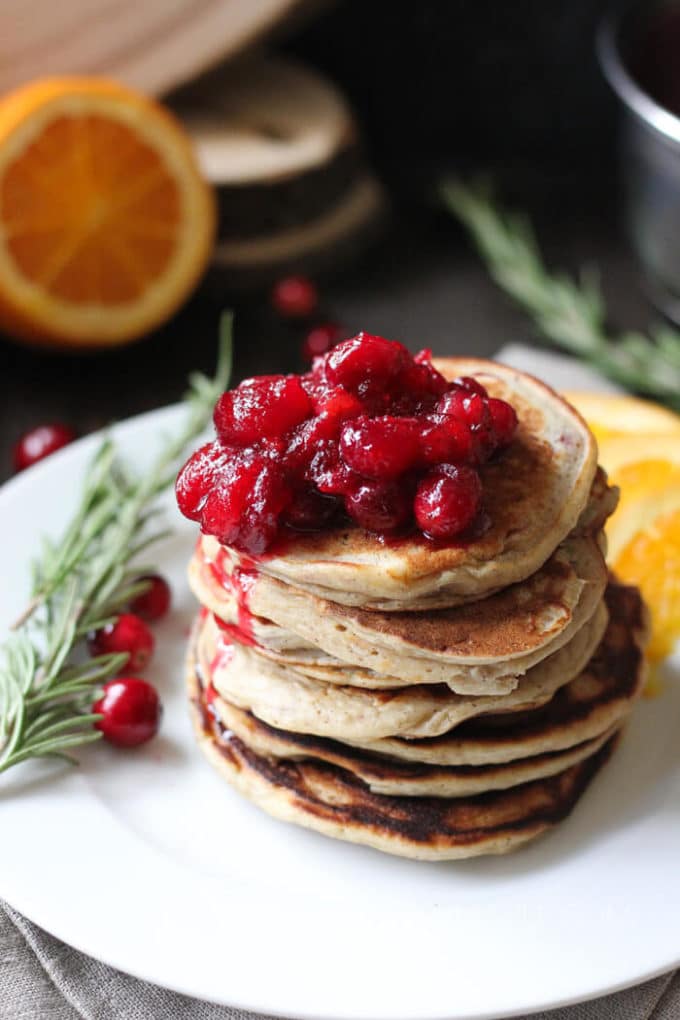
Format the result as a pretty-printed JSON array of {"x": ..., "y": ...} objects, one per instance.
[{"x": 371, "y": 433}]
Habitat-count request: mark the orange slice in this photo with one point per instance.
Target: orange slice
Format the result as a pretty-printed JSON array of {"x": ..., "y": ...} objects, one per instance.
[
  {"x": 652, "y": 561},
  {"x": 612, "y": 415},
  {"x": 105, "y": 221}
]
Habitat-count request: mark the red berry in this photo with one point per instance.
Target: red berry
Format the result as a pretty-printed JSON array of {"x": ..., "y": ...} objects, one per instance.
[
  {"x": 380, "y": 506},
  {"x": 320, "y": 339},
  {"x": 153, "y": 603},
  {"x": 503, "y": 420},
  {"x": 267, "y": 406},
  {"x": 445, "y": 440},
  {"x": 41, "y": 442},
  {"x": 366, "y": 363},
  {"x": 126, "y": 634},
  {"x": 228, "y": 501},
  {"x": 468, "y": 407},
  {"x": 310, "y": 510},
  {"x": 199, "y": 474},
  {"x": 131, "y": 711},
  {"x": 338, "y": 403},
  {"x": 466, "y": 382},
  {"x": 295, "y": 297},
  {"x": 447, "y": 501},
  {"x": 329, "y": 472},
  {"x": 381, "y": 448}
]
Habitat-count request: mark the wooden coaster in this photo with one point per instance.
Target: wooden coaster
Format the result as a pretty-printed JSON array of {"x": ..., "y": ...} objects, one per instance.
[{"x": 283, "y": 151}]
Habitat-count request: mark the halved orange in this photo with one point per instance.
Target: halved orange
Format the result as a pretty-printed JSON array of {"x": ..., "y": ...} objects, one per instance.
[
  {"x": 652, "y": 561},
  {"x": 106, "y": 223},
  {"x": 640, "y": 448}
]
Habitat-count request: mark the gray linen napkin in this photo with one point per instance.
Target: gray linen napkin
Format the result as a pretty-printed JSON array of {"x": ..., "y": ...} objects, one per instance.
[{"x": 41, "y": 978}]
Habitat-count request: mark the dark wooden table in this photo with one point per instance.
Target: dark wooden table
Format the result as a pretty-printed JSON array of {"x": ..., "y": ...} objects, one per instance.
[{"x": 422, "y": 284}]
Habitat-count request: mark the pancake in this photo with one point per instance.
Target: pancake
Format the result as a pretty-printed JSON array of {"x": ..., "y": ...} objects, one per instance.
[
  {"x": 397, "y": 778},
  {"x": 534, "y": 494},
  {"x": 288, "y": 700},
  {"x": 332, "y": 801},
  {"x": 538, "y": 684},
  {"x": 477, "y": 648},
  {"x": 597, "y": 700}
]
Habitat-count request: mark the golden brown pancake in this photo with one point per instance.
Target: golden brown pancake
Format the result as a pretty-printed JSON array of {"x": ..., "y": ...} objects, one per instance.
[
  {"x": 289, "y": 700},
  {"x": 534, "y": 493},
  {"x": 392, "y": 777},
  {"x": 481, "y": 647},
  {"x": 332, "y": 801},
  {"x": 597, "y": 700}
]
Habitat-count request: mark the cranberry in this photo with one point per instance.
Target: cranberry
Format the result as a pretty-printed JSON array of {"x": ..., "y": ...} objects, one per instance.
[
  {"x": 153, "y": 603},
  {"x": 320, "y": 339},
  {"x": 503, "y": 420},
  {"x": 466, "y": 382},
  {"x": 126, "y": 634},
  {"x": 310, "y": 510},
  {"x": 270, "y": 405},
  {"x": 269, "y": 497},
  {"x": 468, "y": 407},
  {"x": 445, "y": 439},
  {"x": 447, "y": 501},
  {"x": 131, "y": 711},
  {"x": 295, "y": 297},
  {"x": 381, "y": 448},
  {"x": 242, "y": 508},
  {"x": 338, "y": 403},
  {"x": 379, "y": 506},
  {"x": 41, "y": 442},
  {"x": 198, "y": 476},
  {"x": 328, "y": 470},
  {"x": 365, "y": 363}
]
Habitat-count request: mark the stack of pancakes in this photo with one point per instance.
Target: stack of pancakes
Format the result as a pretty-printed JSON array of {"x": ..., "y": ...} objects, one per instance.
[{"x": 426, "y": 700}]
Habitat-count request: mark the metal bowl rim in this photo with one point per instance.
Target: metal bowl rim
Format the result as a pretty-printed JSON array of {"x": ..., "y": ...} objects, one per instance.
[{"x": 629, "y": 92}]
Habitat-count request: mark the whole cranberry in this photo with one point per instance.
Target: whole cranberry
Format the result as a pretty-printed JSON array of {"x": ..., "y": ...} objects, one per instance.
[
  {"x": 329, "y": 472},
  {"x": 503, "y": 420},
  {"x": 381, "y": 448},
  {"x": 310, "y": 510},
  {"x": 229, "y": 498},
  {"x": 339, "y": 403},
  {"x": 126, "y": 634},
  {"x": 447, "y": 501},
  {"x": 40, "y": 442},
  {"x": 153, "y": 603},
  {"x": 380, "y": 506},
  {"x": 320, "y": 339},
  {"x": 294, "y": 297},
  {"x": 466, "y": 382},
  {"x": 444, "y": 439},
  {"x": 365, "y": 363},
  {"x": 468, "y": 407},
  {"x": 269, "y": 405},
  {"x": 199, "y": 474},
  {"x": 260, "y": 520},
  {"x": 131, "y": 711}
]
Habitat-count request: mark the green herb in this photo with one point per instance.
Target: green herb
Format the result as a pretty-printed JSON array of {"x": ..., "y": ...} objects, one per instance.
[
  {"x": 570, "y": 313},
  {"x": 81, "y": 581}
]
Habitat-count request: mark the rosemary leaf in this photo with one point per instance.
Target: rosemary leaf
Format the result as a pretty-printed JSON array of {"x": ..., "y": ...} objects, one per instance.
[
  {"x": 570, "y": 313},
  {"x": 84, "y": 579}
]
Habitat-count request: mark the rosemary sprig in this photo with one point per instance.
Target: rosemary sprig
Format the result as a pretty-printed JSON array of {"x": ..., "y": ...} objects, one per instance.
[
  {"x": 570, "y": 313},
  {"x": 81, "y": 581}
]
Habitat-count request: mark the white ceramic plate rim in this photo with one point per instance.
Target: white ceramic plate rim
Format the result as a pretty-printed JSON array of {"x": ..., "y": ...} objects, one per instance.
[{"x": 380, "y": 938}]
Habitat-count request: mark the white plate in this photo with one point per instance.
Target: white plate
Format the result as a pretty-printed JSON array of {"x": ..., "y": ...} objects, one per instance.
[{"x": 147, "y": 860}]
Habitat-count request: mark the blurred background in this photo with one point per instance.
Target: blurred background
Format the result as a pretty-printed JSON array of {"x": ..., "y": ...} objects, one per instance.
[{"x": 510, "y": 89}]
